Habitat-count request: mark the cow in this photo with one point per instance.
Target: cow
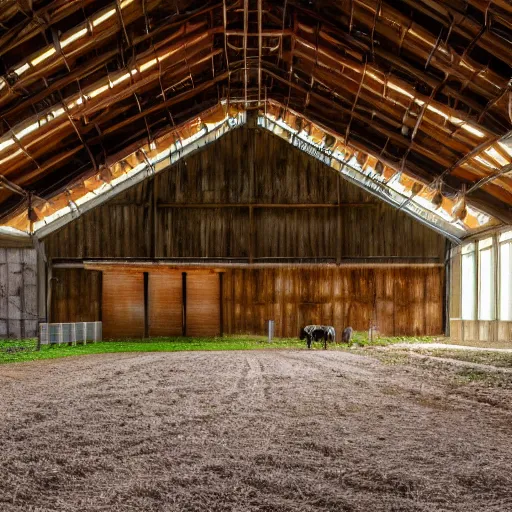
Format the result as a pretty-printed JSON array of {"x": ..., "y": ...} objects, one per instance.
[
  {"x": 346, "y": 335},
  {"x": 323, "y": 333}
]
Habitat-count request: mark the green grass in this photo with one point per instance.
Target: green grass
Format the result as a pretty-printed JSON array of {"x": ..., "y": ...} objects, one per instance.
[
  {"x": 501, "y": 359},
  {"x": 25, "y": 350},
  {"x": 12, "y": 351},
  {"x": 361, "y": 339}
]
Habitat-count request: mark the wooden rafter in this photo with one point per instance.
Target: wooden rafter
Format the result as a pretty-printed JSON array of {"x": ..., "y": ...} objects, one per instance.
[{"x": 426, "y": 88}]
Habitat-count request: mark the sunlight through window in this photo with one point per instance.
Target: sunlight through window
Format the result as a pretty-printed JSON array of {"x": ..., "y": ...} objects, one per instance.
[
  {"x": 468, "y": 282},
  {"x": 486, "y": 280},
  {"x": 506, "y": 276}
]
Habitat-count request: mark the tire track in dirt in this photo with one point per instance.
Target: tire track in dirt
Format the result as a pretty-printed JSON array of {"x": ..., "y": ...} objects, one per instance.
[
  {"x": 251, "y": 389},
  {"x": 361, "y": 375},
  {"x": 239, "y": 384},
  {"x": 266, "y": 382},
  {"x": 355, "y": 365}
]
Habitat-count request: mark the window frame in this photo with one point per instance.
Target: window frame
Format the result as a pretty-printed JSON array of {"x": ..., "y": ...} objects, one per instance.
[
  {"x": 504, "y": 238},
  {"x": 469, "y": 249},
  {"x": 487, "y": 245}
]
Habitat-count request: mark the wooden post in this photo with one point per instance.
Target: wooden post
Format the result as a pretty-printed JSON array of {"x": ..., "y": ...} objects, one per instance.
[
  {"x": 339, "y": 234},
  {"x": 146, "y": 304},
  {"x": 49, "y": 284},
  {"x": 100, "y": 298},
  {"x": 477, "y": 286},
  {"x": 153, "y": 216},
  {"x": 221, "y": 308},
  {"x": 424, "y": 305},
  {"x": 184, "y": 303},
  {"x": 496, "y": 276},
  {"x": 446, "y": 289},
  {"x": 251, "y": 234},
  {"x": 252, "y": 123},
  {"x": 42, "y": 313}
]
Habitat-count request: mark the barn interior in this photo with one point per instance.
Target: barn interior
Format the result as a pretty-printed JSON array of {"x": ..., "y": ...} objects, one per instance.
[{"x": 176, "y": 167}]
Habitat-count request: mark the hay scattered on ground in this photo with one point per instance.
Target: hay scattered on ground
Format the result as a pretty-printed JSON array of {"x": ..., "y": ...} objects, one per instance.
[{"x": 251, "y": 431}]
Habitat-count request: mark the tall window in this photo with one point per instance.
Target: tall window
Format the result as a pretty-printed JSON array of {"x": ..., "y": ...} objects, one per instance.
[
  {"x": 486, "y": 297},
  {"x": 506, "y": 275},
  {"x": 468, "y": 282}
]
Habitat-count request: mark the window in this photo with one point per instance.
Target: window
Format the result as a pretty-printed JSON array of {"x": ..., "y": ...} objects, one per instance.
[
  {"x": 468, "y": 282},
  {"x": 506, "y": 275},
  {"x": 486, "y": 296}
]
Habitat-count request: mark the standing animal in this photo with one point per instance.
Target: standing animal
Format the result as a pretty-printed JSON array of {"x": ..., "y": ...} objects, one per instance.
[
  {"x": 346, "y": 335},
  {"x": 317, "y": 333}
]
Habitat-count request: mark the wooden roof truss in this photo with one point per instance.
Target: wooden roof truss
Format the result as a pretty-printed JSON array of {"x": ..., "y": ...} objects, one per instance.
[{"x": 419, "y": 92}]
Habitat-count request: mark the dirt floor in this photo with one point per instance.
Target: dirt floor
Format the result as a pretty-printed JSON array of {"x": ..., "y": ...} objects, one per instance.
[{"x": 269, "y": 430}]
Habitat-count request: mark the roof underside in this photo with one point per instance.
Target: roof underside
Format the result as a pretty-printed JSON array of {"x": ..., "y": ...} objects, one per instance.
[{"x": 411, "y": 99}]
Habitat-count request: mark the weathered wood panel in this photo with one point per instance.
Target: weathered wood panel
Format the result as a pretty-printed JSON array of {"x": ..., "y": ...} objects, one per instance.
[
  {"x": 253, "y": 167},
  {"x": 246, "y": 166},
  {"x": 75, "y": 295},
  {"x": 494, "y": 333},
  {"x": 123, "y": 305},
  {"x": 165, "y": 304},
  {"x": 203, "y": 305},
  {"x": 119, "y": 228},
  {"x": 301, "y": 233},
  {"x": 398, "y": 301},
  {"x": 203, "y": 233},
  {"x": 18, "y": 293}
]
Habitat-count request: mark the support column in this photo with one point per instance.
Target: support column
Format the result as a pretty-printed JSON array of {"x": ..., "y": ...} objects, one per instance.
[
  {"x": 251, "y": 234},
  {"x": 339, "y": 233}
]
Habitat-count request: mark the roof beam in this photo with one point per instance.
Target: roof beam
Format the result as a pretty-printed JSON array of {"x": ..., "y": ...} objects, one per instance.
[
  {"x": 401, "y": 140},
  {"x": 165, "y": 104},
  {"x": 443, "y": 65},
  {"x": 39, "y": 22},
  {"x": 461, "y": 24},
  {"x": 480, "y": 199}
]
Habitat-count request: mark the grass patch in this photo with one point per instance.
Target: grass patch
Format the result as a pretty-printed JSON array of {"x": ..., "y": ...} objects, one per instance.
[
  {"x": 12, "y": 351},
  {"x": 499, "y": 359},
  {"x": 471, "y": 375},
  {"x": 361, "y": 339},
  {"x": 25, "y": 350},
  {"x": 482, "y": 378}
]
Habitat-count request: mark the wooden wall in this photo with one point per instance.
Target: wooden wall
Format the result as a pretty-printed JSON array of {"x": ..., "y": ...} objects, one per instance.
[
  {"x": 75, "y": 295},
  {"x": 18, "y": 293},
  {"x": 221, "y": 203},
  {"x": 246, "y": 167},
  {"x": 399, "y": 301}
]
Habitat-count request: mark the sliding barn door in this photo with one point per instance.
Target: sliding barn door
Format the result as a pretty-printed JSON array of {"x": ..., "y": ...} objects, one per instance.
[
  {"x": 123, "y": 305},
  {"x": 165, "y": 303},
  {"x": 203, "y": 304}
]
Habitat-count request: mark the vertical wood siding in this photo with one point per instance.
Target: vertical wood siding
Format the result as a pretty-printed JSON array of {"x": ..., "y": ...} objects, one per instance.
[
  {"x": 400, "y": 301},
  {"x": 75, "y": 295},
  {"x": 18, "y": 293},
  {"x": 203, "y": 305},
  {"x": 254, "y": 167},
  {"x": 165, "y": 304},
  {"x": 246, "y": 166},
  {"x": 123, "y": 305}
]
